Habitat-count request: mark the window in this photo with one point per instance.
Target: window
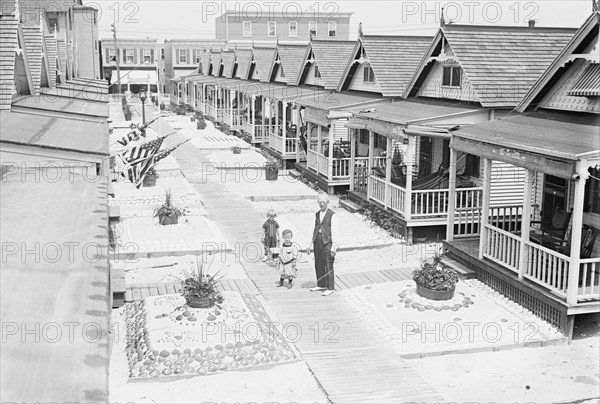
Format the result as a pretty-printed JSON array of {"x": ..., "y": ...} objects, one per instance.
[
  {"x": 182, "y": 55},
  {"x": 129, "y": 55},
  {"x": 472, "y": 165},
  {"x": 110, "y": 55},
  {"x": 281, "y": 72},
  {"x": 363, "y": 136},
  {"x": 368, "y": 75},
  {"x": 293, "y": 29},
  {"x": 197, "y": 53},
  {"x": 162, "y": 53},
  {"x": 247, "y": 29},
  {"x": 332, "y": 29},
  {"x": 380, "y": 142},
  {"x": 271, "y": 29},
  {"x": 312, "y": 28},
  {"x": 148, "y": 55},
  {"x": 451, "y": 76},
  {"x": 317, "y": 72},
  {"x": 95, "y": 45}
]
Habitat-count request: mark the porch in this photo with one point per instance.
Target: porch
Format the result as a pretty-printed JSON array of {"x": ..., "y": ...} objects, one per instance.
[{"x": 542, "y": 252}]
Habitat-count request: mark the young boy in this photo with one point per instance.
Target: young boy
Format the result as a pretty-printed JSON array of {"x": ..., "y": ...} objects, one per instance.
[
  {"x": 288, "y": 255},
  {"x": 271, "y": 237}
]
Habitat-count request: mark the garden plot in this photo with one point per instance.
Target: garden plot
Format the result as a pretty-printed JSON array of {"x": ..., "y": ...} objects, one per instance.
[
  {"x": 141, "y": 202},
  {"x": 172, "y": 269},
  {"x": 193, "y": 234},
  {"x": 166, "y": 339},
  {"x": 476, "y": 319},
  {"x": 248, "y": 159}
]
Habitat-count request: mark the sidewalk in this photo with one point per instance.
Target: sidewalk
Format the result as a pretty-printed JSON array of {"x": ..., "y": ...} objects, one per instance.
[{"x": 349, "y": 359}]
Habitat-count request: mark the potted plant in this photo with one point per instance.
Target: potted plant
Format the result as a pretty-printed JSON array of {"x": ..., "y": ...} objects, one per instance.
[
  {"x": 271, "y": 170},
  {"x": 199, "y": 288},
  {"x": 435, "y": 280},
  {"x": 200, "y": 122},
  {"x": 236, "y": 149},
  {"x": 167, "y": 213},
  {"x": 150, "y": 178}
]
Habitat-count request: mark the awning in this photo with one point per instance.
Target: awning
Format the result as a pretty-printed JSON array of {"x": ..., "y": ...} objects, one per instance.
[
  {"x": 588, "y": 84},
  {"x": 135, "y": 77}
]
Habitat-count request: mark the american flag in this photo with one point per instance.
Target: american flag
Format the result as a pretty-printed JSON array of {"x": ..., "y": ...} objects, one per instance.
[
  {"x": 136, "y": 133},
  {"x": 144, "y": 150}
]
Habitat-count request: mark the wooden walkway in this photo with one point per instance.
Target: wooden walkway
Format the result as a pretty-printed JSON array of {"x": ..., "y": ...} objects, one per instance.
[
  {"x": 142, "y": 290},
  {"x": 350, "y": 360}
]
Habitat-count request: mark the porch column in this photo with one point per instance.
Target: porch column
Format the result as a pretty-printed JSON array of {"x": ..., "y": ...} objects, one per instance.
[
  {"x": 526, "y": 221},
  {"x": 388, "y": 172},
  {"x": 575, "y": 252},
  {"x": 230, "y": 107},
  {"x": 263, "y": 104},
  {"x": 370, "y": 164},
  {"x": 451, "y": 197},
  {"x": 283, "y": 122},
  {"x": 319, "y": 141},
  {"x": 352, "y": 157},
  {"x": 296, "y": 121},
  {"x": 410, "y": 160},
  {"x": 330, "y": 156},
  {"x": 485, "y": 206}
]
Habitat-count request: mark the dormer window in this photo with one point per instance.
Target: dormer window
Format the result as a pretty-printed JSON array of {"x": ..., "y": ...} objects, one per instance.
[
  {"x": 317, "y": 72},
  {"x": 451, "y": 76}
]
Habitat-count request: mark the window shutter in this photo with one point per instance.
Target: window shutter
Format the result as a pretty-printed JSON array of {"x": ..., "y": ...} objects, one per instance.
[
  {"x": 135, "y": 56},
  {"x": 176, "y": 55},
  {"x": 107, "y": 56},
  {"x": 124, "y": 55},
  {"x": 151, "y": 55},
  {"x": 187, "y": 56}
]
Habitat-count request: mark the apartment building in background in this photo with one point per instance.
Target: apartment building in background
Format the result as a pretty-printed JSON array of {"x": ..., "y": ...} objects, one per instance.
[
  {"x": 292, "y": 27},
  {"x": 137, "y": 63}
]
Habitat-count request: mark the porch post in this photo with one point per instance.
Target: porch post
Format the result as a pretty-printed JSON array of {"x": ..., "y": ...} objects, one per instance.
[
  {"x": 319, "y": 142},
  {"x": 284, "y": 123},
  {"x": 251, "y": 119},
  {"x": 451, "y": 197},
  {"x": 296, "y": 121},
  {"x": 410, "y": 151},
  {"x": 330, "y": 156},
  {"x": 388, "y": 173},
  {"x": 575, "y": 253},
  {"x": 230, "y": 107},
  {"x": 526, "y": 222},
  {"x": 263, "y": 103},
  {"x": 370, "y": 165},
  {"x": 485, "y": 206},
  {"x": 352, "y": 157}
]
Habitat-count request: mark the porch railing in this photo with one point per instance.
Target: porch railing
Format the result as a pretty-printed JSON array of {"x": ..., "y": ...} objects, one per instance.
[
  {"x": 377, "y": 189},
  {"x": 502, "y": 247},
  {"x": 285, "y": 146},
  {"x": 227, "y": 118},
  {"x": 210, "y": 111},
  {"x": 429, "y": 203},
  {"x": 258, "y": 134},
  {"x": 589, "y": 279},
  {"x": 317, "y": 162},
  {"x": 547, "y": 268},
  {"x": 467, "y": 212},
  {"x": 397, "y": 197}
]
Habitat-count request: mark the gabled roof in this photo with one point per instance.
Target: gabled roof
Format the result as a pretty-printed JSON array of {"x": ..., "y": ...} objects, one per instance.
[
  {"x": 331, "y": 57},
  {"x": 580, "y": 40},
  {"x": 215, "y": 61},
  {"x": 243, "y": 59},
  {"x": 205, "y": 60},
  {"x": 501, "y": 63},
  {"x": 263, "y": 62},
  {"x": 291, "y": 57},
  {"x": 228, "y": 58},
  {"x": 8, "y": 44},
  {"x": 393, "y": 59}
]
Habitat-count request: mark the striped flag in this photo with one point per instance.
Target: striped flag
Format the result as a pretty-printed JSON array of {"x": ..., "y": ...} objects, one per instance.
[
  {"x": 144, "y": 150},
  {"x": 136, "y": 133}
]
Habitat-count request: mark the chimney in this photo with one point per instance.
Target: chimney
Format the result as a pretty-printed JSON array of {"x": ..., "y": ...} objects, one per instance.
[{"x": 531, "y": 23}]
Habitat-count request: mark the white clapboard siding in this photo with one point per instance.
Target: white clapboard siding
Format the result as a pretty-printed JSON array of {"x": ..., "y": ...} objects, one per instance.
[
  {"x": 32, "y": 38},
  {"x": 340, "y": 131},
  {"x": 508, "y": 184}
]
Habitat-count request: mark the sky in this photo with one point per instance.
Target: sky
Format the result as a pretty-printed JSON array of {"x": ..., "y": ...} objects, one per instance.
[{"x": 192, "y": 19}]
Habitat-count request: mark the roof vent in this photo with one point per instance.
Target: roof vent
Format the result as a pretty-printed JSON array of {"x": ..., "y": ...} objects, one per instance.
[{"x": 531, "y": 23}]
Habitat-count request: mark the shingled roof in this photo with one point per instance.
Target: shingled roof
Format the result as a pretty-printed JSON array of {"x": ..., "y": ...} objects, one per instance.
[
  {"x": 501, "y": 63},
  {"x": 8, "y": 45},
  {"x": 393, "y": 59},
  {"x": 243, "y": 58},
  {"x": 331, "y": 57},
  {"x": 587, "y": 33},
  {"x": 263, "y": 62},
  {"x": 228, "y": 58},
  {"x": 291, "y": 57}
]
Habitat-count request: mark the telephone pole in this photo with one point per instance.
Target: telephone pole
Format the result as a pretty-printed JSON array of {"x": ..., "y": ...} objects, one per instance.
[{"x": 117, "y": 55}]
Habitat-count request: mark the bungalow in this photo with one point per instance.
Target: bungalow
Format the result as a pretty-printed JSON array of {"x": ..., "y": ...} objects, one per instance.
[
  {"x": 458, "y": 81},
  {"x": 544, "y": 253}
]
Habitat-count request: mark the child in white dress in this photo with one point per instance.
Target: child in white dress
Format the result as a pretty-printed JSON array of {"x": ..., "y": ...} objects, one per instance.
[{"x": 288, "y": 255}]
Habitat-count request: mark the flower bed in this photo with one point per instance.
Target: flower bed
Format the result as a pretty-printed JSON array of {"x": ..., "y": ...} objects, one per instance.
[{"x": 167, "y": 339}]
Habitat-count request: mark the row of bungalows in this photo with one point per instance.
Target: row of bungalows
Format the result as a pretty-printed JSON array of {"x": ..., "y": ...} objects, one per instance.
[
  {"x": 54, "y": 155},
  {"x": 490, "y": 132}
]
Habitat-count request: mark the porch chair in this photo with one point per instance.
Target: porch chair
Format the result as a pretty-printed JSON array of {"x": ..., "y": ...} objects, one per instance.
[
  {"x": 588, "y": 239},
  {"x": 552, "y": 234}
]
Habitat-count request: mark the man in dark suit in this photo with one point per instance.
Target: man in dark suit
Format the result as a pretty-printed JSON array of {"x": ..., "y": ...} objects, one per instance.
[{"x": 325, "y": 248}]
